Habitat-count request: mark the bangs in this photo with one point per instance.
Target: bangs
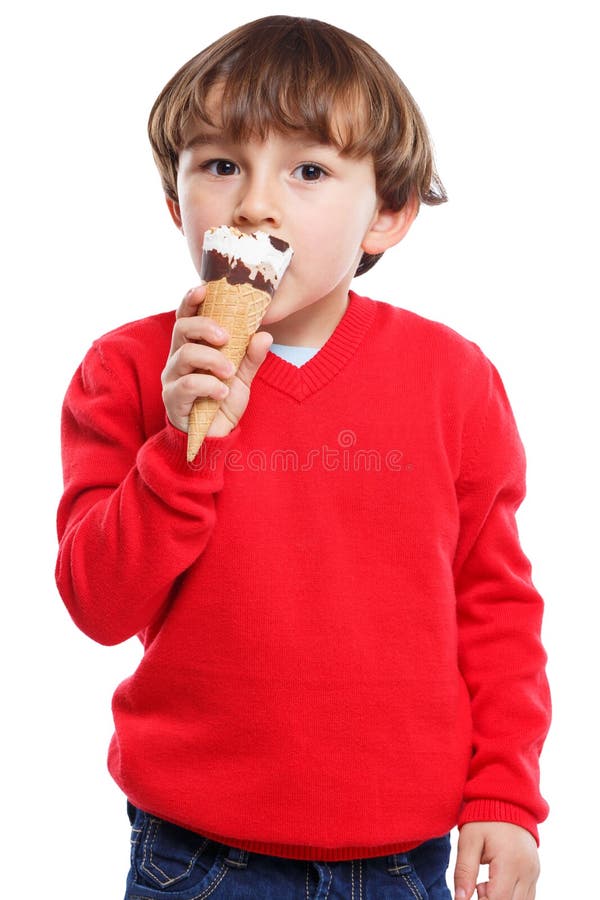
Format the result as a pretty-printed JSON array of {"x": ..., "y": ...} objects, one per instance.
[{"x": 295, "y": 81}]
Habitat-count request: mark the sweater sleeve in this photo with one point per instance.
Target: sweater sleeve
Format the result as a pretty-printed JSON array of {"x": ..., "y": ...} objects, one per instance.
[
  {"x": 134, "y": 515},
  {"x": 499, "y": 615}
]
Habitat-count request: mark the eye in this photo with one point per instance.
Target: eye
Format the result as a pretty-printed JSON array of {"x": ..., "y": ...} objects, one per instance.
[
  {"x": 309, "y": 172},
  {"x": 221, "y": 167}
]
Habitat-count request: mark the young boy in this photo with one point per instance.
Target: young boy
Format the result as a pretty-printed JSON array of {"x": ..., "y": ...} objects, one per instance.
[{"x": 342, "y": 652}]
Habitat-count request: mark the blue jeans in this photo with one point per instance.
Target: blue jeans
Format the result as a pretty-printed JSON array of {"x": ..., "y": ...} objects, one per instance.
[{"x": 170, "y": 862}]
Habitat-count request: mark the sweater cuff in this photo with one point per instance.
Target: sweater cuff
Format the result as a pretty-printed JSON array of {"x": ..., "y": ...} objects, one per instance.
[
  {"x": 498, "y": 811},
  {"x": 162, "y": 461},
  {"x": 173, "y": 444}
]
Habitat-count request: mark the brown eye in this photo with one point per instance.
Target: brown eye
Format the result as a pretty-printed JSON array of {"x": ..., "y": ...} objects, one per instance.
[
  {"x": 309, "y": 172},
  {"x": 221, "y": 167}
]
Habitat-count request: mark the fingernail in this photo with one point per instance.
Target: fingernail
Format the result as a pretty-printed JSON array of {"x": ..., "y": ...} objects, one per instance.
[
  {"x": 460, "y": 894},
  {"x": 219, "y": 332}
]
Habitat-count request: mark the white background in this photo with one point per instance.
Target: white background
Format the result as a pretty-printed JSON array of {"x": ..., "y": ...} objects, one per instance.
[{"x": 510, "y": 95}]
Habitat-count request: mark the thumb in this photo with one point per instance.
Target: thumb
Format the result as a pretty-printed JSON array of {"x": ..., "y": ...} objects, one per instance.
[
  {"x": 468, "y": 858},
  {"x": 255, "y": 356}
]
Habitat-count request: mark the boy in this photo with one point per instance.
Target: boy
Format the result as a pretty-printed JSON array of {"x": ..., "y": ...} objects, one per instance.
[{"x": 342, "y": 653}]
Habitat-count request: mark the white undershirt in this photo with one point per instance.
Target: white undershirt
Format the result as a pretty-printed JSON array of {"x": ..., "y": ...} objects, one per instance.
[{"x": 297, "y": 356}]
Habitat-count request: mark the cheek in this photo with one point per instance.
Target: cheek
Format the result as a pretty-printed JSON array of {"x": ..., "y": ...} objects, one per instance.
[
  {"x": 191, "y": 220},
  {"x": 353, "y": 210},
  {"x": 334, "y": 238},
  {"x": 195, "y": 220},
  {"x": 195, "y": 206}
]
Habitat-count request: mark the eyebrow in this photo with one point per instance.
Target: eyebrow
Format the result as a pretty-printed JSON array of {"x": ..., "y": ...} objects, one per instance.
[{"x": 202, "y": 138}]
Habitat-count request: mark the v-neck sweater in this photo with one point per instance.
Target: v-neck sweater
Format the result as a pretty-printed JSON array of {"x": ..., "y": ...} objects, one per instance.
[{"x": 342, "y": 651}]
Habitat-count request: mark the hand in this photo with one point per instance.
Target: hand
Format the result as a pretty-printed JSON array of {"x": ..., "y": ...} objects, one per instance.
[
  {"x": 512, "y": 856},
  {"x": 197, "y": 369}
]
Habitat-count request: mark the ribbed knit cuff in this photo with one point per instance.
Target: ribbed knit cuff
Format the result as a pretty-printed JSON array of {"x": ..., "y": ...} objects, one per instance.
[
  {"x": 498, "y": 811},
  {"x": 162, "y": 462},
  {"x": 173, "y": 443}
]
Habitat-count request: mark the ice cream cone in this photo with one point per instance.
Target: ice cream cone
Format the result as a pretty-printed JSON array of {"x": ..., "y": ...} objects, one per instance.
[
  {"x": 239, "y": 308},
  {"x": 242, "y": 272}
]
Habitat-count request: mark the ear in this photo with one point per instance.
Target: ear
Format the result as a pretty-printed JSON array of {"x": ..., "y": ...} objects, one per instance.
[
  {"x": 173, "y": 207},
  {"x": 390, "y": 226}
]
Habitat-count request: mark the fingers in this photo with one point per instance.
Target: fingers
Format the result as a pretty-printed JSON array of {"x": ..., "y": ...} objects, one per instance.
[
  {"x": 511, "y": 854},
  {"x": 190, "y": 303},
  {"x": 179, "y": 396},
  {"x": 503, "y": 879},
  {"x": 191, "y": 357},
  {"x": 194, "y": 329},
  {"x": 510, "y": 880},
  {"x": 194, "y": 368},
  {"x": 468, "y": 858},
  {"x": 508, "y": 891}
]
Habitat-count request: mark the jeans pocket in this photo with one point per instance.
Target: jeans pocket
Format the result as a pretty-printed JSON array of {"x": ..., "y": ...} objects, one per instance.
[
  {"x": 413, "y": 885},
  {"x": 169, "y": 861}
]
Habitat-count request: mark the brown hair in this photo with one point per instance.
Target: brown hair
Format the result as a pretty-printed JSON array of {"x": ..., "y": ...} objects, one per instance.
[{"x": 283, "y": 73}]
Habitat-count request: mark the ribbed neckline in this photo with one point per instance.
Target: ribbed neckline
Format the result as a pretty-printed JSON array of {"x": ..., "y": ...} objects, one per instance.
[
  {"x": 306, "y": 380},
  {"x": 297, "y": 356}
]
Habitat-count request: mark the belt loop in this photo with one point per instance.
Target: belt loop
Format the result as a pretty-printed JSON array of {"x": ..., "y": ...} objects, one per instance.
[{"x": 236, "y": 858}]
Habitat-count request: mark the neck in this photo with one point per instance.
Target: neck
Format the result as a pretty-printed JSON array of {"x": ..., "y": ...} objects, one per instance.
[{"x": 311, "y": 326}]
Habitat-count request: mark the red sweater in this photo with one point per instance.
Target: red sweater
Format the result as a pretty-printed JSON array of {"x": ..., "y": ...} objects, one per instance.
[{"x": 342, "y": 651}]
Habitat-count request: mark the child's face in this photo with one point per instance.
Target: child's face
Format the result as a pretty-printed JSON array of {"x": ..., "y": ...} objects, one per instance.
[{"x": 322, "y": 203}]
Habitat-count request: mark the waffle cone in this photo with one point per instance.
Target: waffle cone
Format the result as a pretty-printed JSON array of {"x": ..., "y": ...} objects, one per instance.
[{"x": 239, "y": 308}]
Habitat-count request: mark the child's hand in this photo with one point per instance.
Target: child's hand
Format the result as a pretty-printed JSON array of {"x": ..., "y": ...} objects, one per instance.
[
  {"x": 182, "y": 382},
  {"x": 512, "y": 856}
]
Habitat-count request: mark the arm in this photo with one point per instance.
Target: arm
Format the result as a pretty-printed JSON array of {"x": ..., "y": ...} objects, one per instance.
[
  {"x": 134, "y": 515},
  {"x": 501, "y": 657}
]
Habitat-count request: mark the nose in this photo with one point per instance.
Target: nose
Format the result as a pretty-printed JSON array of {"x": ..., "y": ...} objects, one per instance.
[{"x": 258, "y": 204}]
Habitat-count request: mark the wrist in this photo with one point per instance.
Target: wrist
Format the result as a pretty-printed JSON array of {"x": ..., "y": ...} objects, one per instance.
[{"x": 486, "y": 810}]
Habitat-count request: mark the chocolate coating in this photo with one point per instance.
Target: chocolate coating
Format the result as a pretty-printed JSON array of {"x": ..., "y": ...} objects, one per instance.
[
  {"x": 216, "y": 266},
  {"x": 278, "y": 243}
]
